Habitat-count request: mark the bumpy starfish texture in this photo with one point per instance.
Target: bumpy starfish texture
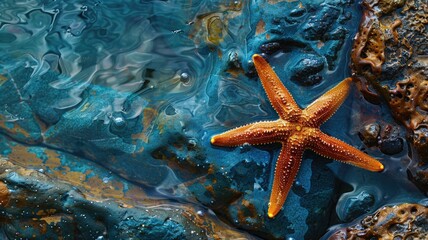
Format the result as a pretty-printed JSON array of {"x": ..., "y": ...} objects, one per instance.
[{"x": 297, "y": 129}]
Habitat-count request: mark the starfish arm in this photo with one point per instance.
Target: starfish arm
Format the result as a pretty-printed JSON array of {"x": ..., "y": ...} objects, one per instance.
[
  {"x": 254, "y": 134},
  {"x": 325, "y": 106},
  {"x": 286, "y": 169},
  {"x": 278, "y": 95},
  {"x": 331, "y": 147}
]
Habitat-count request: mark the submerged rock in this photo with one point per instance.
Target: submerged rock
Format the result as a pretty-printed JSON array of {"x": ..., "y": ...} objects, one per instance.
[
  {"x": 35, "y": 205},
  {"x": 304, "y": 70},
  {"x": 385, "y": 136},
  {"x": 391, "y": 146},
  {"x": 390, "y": 140},
  {"x": 370, "y": 134},
  {"x": 319, "y": 24},
  {"x": 358, "y": 205}
]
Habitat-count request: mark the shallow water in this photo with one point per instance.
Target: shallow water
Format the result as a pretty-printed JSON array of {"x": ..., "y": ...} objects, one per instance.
[{"x": 139, "y": 87}]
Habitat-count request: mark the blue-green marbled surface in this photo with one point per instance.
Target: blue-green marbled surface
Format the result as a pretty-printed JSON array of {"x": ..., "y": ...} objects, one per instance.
[{"x": 139, "y": 87}]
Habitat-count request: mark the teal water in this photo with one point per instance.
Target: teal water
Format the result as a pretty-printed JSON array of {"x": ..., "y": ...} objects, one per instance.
[{"x": 139, "y": 87}]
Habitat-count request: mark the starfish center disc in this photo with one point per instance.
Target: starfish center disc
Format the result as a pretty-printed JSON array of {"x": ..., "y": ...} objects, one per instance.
[{"x": 298, "y": 127}]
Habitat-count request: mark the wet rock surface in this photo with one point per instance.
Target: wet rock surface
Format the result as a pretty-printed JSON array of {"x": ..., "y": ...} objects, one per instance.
[
  {"x": 369, "y": 134},
  {"x": 61, "y": 196},
  {"x": 358, "y": 205},
  {"x": 310, "y": 37},
  {"x": 388, "y": 54},
  {"x": 386, "y": 137},
  {"x": 392, "y": 47},
  {"x": 304, "y": 70},
  {"x": 112, "y": 110},
  {"x": 140, "y": 97},
  {"x": 402, "y": 221},
  {"x": 35, "y": 206}
]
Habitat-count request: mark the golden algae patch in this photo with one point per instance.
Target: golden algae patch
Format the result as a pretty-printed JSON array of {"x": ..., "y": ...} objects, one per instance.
[
  {"x": 52, "y": 219},
  {"x": 22, "y": 157},
  {"x": 3, "y": 79},
  {"x": 13, "y": 128},
  {"x": 97, "y": 188},
  {"x": 260, "y": 28},
  {"x": 149, "y": 116}
]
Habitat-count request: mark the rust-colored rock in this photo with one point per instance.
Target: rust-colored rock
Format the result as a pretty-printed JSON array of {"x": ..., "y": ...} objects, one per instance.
[
  {"x": 405, "y": 221},
  {"x": 409, "y": 100},
  {"x": 4, "y": 194},
  {"x": 389, "y": 54},
  {"x": 369, "y": 45}
]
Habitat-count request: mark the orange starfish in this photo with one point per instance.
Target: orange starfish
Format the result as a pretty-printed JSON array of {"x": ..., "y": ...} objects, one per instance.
[{"x": 297, "y": 129}]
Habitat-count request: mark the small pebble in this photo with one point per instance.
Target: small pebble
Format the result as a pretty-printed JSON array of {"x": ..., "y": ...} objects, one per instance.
[{"x": 369, "y": 134}]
